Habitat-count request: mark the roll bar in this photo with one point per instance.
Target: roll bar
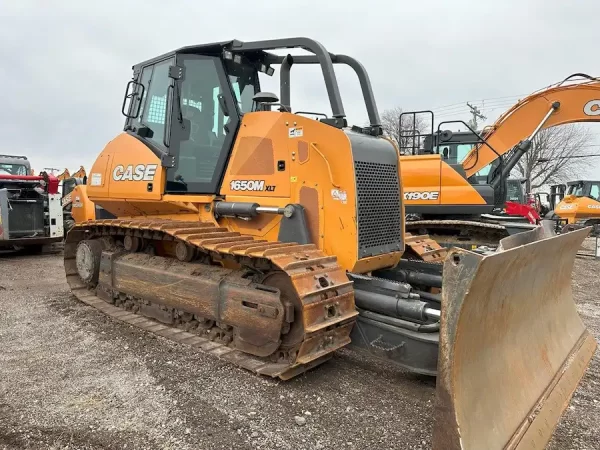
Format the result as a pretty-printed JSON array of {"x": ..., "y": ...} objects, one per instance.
[{"x": 319, "y": 56}]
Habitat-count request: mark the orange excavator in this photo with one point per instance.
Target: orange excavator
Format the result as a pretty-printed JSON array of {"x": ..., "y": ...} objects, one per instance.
[
  {"x": 576, "y": 205},
  {"x": 269, "y": 239},
  {"x": 454, "y": 185}
]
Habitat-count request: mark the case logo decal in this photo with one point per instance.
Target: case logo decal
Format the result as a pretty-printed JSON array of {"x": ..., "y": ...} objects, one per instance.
[
  {"x": 592, "y": 108},
  {"x": 140, "y": 172}
]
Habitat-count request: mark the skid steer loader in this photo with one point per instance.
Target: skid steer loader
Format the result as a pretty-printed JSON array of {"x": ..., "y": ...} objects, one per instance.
[{"x": 271, "y": 239}]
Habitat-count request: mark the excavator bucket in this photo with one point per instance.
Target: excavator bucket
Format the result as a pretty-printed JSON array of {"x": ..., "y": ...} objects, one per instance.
[{"x": 512, "y": 346}]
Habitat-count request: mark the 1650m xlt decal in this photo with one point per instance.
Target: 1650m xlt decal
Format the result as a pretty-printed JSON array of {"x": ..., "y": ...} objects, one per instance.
[{"x": 251, "y": 185}]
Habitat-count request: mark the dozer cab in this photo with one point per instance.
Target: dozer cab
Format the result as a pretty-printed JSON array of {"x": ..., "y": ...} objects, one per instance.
[{"x": 270, "y": 239}]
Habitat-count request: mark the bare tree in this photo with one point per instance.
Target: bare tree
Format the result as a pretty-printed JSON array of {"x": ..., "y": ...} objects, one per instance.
[
  {"x": 407, "y": 134},
  {"x": 557, "y": 154}
]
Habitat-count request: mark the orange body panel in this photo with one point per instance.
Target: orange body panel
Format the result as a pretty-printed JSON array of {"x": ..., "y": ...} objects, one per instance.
[
  {"x": 82, "y": 208},
  {"x": 318, "y": 168},
  {"x": 576, "y": 209},
  {"x": 428, "y": 173},
  {"x": 301, "y": 160}
]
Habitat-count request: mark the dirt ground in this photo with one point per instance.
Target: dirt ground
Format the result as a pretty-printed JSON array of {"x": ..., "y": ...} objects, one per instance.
[{"x": 72, "y": 378}]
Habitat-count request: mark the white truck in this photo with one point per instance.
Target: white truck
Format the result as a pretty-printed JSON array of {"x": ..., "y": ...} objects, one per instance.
[{"x": 30, "y": 207}]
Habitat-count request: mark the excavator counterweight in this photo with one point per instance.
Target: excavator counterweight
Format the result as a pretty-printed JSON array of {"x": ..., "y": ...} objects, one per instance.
[{"x": 270, "y": 240}]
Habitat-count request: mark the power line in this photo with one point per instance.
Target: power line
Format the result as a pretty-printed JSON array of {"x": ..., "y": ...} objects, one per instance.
[
  {"x": 439, "y": 108},
  {"x": 567, "y": 157},
  {"x": 464, "y": 110},
  {"x": 482, "y": 105}
]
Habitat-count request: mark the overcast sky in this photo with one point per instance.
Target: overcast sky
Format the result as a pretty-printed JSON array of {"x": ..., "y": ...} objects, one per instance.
[{"x": 65, "y": 64}]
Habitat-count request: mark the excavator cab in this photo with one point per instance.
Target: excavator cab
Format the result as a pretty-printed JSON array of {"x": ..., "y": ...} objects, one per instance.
[{"x": 270, "y": 240}]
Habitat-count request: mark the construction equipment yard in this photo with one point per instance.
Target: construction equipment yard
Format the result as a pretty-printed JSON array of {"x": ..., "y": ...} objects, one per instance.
[{"x": 71, "y": 377}]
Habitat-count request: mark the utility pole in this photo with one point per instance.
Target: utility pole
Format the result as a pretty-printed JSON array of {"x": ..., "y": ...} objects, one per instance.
[{"x": 476, "y": 113}]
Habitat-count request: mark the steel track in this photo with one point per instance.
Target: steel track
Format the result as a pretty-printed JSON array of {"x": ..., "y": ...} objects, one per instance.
[{"x": 321, "y": 286}]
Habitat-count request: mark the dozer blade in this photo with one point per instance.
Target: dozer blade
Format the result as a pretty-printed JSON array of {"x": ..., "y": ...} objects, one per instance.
[{"x": 512, "y": 346}]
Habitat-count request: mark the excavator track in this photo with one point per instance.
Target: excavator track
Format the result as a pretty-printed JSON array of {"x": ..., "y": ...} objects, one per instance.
[
  {"x": 459, "y": 233},
  {"x": 260, "y": 288},
  {"x": 425, "y": 248}
]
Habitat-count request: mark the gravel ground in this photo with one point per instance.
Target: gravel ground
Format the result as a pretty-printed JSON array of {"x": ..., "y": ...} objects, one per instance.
[{"x": 72, "y": 378}]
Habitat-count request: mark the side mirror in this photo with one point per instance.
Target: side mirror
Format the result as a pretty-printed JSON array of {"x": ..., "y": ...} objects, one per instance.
[
  {"x": 132, "y": 101},
  {"x": 445, "y": 152}
]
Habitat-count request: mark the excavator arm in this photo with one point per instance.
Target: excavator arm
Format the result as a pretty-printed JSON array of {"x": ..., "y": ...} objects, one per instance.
[
  {"x": 64, "y": 175},
  {"x": 572, "y": 100},
  {"x": 80, "y": 173}
]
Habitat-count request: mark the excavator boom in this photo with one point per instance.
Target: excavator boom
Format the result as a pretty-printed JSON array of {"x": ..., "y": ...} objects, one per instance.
[{"x": 572, "y": 100}]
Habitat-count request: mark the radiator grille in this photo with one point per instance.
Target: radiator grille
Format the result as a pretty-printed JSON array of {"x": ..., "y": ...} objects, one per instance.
[
  {"x": 26, "y": 219},
  {"x": 379, "y": 208}
]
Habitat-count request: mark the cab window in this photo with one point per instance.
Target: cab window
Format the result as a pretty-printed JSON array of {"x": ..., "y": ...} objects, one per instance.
[
  {"x": 576, "y": 190},
  {"x": 13, "y": 169},
  {"x": 155, "y": 104},
  {"x": 595, "y": 191},
  {"x": 200, "y": 91},
  {"x": 213, "y": 95},
  {"x": 462, "y": 150}
]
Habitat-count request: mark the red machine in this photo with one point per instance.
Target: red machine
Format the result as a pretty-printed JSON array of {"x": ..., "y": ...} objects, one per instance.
[{"x": 524, "y": 210}]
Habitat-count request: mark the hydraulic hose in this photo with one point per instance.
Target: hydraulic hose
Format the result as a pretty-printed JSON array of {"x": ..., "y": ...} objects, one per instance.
[{"x": 422, "y": 328}]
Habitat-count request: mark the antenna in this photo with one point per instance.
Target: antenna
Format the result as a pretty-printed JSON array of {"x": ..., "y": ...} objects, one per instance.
[{"x": 476, "y": 113}]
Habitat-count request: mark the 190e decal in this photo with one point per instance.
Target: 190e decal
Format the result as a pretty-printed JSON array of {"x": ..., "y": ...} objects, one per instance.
[
  {"x": 250, "y": 185},
  {"x": 425, "y": 195}
]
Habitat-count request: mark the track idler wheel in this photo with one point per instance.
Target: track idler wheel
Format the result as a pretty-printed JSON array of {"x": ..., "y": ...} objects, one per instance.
[
  {"x": 133, "y": 243},
  {"x": 184, "y": 252},
  {"x": 87, "y": 260}
]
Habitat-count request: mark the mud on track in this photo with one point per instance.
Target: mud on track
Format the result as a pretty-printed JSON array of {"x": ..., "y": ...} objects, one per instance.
[{"x": 72, "y": 378}]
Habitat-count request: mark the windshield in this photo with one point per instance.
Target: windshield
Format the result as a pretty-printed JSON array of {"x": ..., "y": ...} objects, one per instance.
[
  {"x": 455, "y": 152},
  {"x": 244, "y": 81},
  {"x": 514, "y": 191},
  {"x": 13, "y": 169},
  {"x": 576, "y": 190}
]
